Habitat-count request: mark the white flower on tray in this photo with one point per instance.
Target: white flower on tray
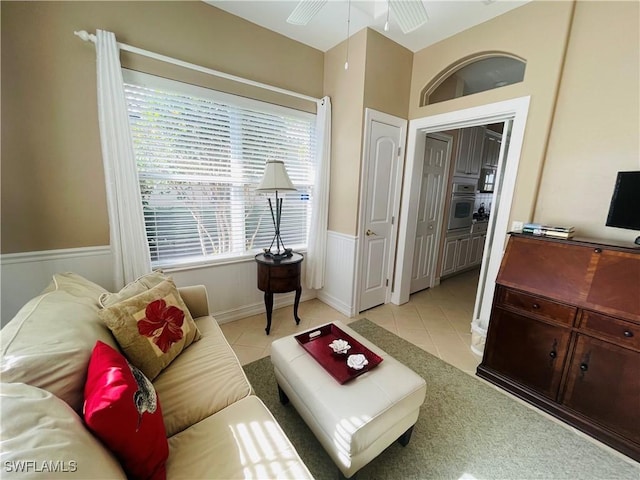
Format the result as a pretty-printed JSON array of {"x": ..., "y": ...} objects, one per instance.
[
  {"x": 357, "y": 361},
  {"x": 340, "y": 346}
]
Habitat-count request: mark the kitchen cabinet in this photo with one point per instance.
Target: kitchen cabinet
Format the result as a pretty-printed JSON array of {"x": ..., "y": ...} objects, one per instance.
[
  {"x": 469, "y": 152},
  {"x": 564, "y": 334},
  {"x": 476, "y": 247},
  {"x": 455, "y": 251},
  {"x": 463, "y": 249},
  {"x": 491, "y": 148}
]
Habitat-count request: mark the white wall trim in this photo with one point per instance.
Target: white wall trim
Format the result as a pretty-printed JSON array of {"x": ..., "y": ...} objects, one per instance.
[
  {"x": 516, "y": 109},
  {"x": 46, "y": 255}
]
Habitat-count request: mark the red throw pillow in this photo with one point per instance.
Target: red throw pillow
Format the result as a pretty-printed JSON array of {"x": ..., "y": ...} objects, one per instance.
[{"x": 122, "y": 409}]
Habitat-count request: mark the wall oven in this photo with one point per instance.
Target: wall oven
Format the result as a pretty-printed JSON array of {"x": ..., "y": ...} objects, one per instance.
[{"x": 463, "y": 198}]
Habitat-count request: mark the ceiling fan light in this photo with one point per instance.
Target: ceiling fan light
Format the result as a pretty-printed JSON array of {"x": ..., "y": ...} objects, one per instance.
[
  {"x": 305, "y": 11},
  {"x": 410, "y": 14}
]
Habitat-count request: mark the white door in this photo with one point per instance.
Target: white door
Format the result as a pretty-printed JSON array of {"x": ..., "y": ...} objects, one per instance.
[
  {"x": 430, "y": 206},
  {"x": 380, "y": 188}
]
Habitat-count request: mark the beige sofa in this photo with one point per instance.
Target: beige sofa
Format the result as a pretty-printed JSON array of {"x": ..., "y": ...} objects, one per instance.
[{"x": 216, "y": 427}]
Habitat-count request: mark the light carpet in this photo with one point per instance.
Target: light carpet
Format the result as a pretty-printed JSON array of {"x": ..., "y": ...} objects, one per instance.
[{"x": 467, "y": 430}]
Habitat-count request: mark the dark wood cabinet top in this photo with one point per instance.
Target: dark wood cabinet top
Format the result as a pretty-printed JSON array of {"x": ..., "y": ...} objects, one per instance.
[
  {"x": 590, "y": 275},
  {"x": 585, "y": 241},
  {"x": 294, "y": 258}
]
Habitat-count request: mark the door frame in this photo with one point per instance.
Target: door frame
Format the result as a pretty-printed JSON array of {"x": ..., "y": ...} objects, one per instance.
[
  {"x": 371, "y": 115},
  {"x": 445, "y": 137},
  {"x": 515, "y": 109}
]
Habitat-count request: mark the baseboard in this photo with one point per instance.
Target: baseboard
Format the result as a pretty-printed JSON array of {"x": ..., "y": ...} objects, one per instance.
[
  {"x": 279, "y": 301},
  {"x": 336, "y": 303}
]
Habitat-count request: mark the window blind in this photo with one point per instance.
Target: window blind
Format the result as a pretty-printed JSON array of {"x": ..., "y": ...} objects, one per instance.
[{"x": 200, "y": 155}]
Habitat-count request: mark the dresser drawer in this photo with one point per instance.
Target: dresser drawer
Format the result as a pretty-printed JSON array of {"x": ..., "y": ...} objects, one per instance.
[
  {"x": 541, "y": 307},
  {"x": 285, "y": 271},
  {"x": 619, "y": 331}
]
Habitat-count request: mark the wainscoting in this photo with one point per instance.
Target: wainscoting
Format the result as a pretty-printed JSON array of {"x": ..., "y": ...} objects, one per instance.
[
  {"x": 232, "y": 287},
  {"x": 340, "y": 273},
  {"x": 25, "y": 275}
]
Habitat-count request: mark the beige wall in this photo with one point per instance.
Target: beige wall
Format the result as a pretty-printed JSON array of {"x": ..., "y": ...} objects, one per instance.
[
  {"x": 346, "y": 89},
  {"x": 53, "y": 193},
  {"x": 387, "y": 79},
  {"x": 536, "y": 32},
  {"x": 379, "y": 77},
  {"x": 52, "y": 183},
  {"x": 596, "y": 128}
]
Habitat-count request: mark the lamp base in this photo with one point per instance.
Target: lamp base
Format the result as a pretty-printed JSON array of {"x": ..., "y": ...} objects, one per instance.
[{"x": 278, "y": 256}]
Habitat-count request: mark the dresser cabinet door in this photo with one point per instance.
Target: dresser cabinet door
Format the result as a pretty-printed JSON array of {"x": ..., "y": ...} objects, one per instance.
[
  {"x": 603, "y": 383},
  {"x": 527, "y": 351},
  {"x": 615, "y": 288}
]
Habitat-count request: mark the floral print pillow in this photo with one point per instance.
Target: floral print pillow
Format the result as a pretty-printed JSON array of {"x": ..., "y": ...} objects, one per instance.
[{"x": 152, "y": 328}]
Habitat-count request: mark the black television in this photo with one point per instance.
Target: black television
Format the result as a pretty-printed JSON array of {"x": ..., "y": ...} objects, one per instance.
[{"x": 624, "y": 210}]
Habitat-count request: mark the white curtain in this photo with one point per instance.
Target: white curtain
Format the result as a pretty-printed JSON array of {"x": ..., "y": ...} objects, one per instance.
[
  {"x": 126, "y": 220},
  {"x": 317, "y": 246}
]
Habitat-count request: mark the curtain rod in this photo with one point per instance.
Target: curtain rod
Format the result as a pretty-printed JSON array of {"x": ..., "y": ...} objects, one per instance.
[{"x": 89, "y": 37}]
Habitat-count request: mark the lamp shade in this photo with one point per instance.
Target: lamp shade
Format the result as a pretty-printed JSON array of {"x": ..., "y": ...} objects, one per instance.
[{"x": 275, "y": 178}]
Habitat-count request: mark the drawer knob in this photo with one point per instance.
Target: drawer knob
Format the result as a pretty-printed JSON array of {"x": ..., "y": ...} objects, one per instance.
[
  {"x": 597, "y": 250},
  {"x": 553, "y": 354},
  {"x": 535, "y": 306},
  {"x": 628, "y": 333},
  {"x": 584, "y": 367}
]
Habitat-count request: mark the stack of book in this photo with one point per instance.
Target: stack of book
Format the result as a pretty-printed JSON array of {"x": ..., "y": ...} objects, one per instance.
[{"x": 547, "y": 230}]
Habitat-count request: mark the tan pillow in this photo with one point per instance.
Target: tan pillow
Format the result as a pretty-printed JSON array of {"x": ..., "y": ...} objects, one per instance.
[
  {"x": 152, "y": 328},
  {"x": 139, "y": 285},
  {"x": 42, "y": 437},
  {"x": 49, "y": 342}
]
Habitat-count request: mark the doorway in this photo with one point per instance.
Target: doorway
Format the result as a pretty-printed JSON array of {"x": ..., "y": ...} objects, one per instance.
[
  {"x": 514, "y": 112},
  {"x": 433, "y": 185}
]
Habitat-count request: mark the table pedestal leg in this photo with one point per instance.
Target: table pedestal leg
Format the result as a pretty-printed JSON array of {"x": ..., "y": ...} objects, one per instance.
[
  {"x": 295, "y": 305},
  {"x": 268, "y": 303}
]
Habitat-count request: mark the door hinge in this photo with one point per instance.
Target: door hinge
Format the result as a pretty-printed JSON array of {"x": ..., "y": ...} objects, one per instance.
[
  {"x": 393, "y": 219},
  {"x": 399, "y": 151},
  {"x": 387, "y": 283}
]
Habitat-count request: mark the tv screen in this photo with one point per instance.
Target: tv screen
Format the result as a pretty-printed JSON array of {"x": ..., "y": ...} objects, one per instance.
[{"x": 624, "y": 211}]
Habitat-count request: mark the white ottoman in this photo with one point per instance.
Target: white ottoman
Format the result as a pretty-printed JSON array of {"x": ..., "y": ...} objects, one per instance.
[{"x": 356, "y": 421}]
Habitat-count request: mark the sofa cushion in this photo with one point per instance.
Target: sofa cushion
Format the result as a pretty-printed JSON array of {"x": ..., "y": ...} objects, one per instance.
[
  {"x": 241, "y": 441},
  {"x": 122, "y": 408},
  {"x": 152, "y": 328},
  {"x": 203, "y": 380},
  {"x": 139, "y": 285},
  {"x": 49, "y": 342},
  {"x": 42, "y": 437}
]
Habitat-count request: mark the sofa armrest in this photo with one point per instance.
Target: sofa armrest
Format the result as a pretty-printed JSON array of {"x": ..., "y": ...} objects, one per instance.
[{"x": 195, "y": 297}]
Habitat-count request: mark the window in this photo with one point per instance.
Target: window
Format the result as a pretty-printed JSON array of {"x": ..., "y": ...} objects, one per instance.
[
  {"x": 474, "y": 75},
  {"x": 200, "y": 154}
]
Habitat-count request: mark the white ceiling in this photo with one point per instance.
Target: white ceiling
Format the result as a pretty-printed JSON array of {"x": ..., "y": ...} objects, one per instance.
[{"x": 329, "y": 27}]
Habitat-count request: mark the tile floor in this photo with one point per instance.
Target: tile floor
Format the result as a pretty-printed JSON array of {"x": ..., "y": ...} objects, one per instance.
[{"x": 437, "y": 320}]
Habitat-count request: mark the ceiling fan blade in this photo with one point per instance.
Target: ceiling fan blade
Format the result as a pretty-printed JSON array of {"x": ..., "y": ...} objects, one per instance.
[
  {"x": 410, "y": 14},
  {"x": 305, "y": 11}
]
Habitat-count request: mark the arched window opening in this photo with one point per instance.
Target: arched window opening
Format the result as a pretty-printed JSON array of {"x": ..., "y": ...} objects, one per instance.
[{"x": 473, "y": 75}]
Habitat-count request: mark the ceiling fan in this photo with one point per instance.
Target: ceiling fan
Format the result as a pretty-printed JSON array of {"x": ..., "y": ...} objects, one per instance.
[{"x": 410, "y": 14}]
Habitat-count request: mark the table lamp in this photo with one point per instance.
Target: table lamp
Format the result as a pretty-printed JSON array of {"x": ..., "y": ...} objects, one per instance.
[{"x": 276, "y": 179}]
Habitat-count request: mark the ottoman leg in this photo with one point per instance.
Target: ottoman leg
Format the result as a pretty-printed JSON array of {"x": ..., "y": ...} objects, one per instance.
[
  {"x": 283, "y": 396},
  {"x": 406, "y": 436}
]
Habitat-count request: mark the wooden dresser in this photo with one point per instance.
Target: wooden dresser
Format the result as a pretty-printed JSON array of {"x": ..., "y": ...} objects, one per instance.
[{"x": 564, "y": 334}]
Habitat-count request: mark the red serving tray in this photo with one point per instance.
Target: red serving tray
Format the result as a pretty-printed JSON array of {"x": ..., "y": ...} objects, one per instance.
[{"x": 317, "y": 341}]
